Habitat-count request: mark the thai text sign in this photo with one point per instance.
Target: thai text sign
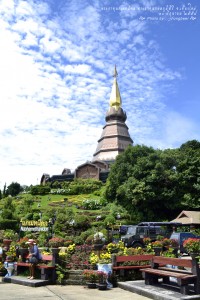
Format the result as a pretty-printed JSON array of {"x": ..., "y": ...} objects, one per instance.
[{"x": 31, "y": 225}]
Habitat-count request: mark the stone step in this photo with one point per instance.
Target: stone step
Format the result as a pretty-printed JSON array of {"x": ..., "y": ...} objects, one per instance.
[
  {"x": 73, "y": 282},
  {"x": 25, "y": 281},
  {"x": 73, "y": 276}
]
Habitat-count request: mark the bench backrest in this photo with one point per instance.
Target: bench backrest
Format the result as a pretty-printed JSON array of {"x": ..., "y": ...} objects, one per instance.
[
  {"x": 172, "y": 261},
  {"x": 140, "y": 257}
]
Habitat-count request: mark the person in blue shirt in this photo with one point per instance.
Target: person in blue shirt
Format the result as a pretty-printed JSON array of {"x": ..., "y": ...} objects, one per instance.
[{"x": 34, "y": 257}]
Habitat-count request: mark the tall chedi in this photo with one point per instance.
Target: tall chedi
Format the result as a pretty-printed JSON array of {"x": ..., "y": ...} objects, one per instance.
[{"x": 115, "y": 137}]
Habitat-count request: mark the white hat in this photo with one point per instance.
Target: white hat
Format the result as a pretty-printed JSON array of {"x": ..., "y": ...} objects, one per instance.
[{"x": 30, "y": 241}]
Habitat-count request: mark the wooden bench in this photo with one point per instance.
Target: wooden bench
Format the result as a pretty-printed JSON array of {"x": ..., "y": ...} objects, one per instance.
[
  {"x": 163, "y": 267},
  {"x": 47, "y": 267},
  {"x": 125, "y": 263}
]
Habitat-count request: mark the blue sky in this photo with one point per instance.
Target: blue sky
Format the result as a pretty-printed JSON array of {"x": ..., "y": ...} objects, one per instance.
[{"x": 56, "y": 64}]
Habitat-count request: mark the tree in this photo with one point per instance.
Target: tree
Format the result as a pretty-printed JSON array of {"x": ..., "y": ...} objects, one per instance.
[
  {"x": 189, "y": 174},
  {"x": 124, "y": 167},
  {"x": 156, "y": 184},
  {"x": 4, "y": 191},
  {"x": 14, "y": 189}
]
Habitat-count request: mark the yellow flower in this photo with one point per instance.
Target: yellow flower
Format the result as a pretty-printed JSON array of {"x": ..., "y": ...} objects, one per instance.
[
  {"x": 71, "y": 248},
  {"x": 93, "y": 258},
  {"x": 105, "y": 258}
]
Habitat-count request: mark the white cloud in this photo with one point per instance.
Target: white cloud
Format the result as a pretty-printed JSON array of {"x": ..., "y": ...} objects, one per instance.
[{"x": 56, "y": 64}]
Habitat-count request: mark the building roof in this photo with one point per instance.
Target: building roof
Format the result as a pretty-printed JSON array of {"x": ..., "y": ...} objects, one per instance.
[{"x": 188, "y": 217}]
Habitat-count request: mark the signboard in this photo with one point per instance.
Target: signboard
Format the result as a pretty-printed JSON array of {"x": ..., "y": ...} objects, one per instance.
[{"x": 31, "y": 225}]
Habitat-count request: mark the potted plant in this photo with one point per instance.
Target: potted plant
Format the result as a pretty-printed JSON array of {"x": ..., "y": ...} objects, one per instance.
[
  {"x": 10, "y": 261},
  {"x": 104, "y": 264},
  {"x": 174, "y": 243},
  {"x": 56, "y": 242},
  {"x": 166, "y": 242},
  {"x": 11, "y": 254},
  {"x": 9, "y": 234},
  {"x": 146, "y": 241},
  {"x": 8, "y": 237},
  {"x": 105, "y": 258},
  {"x": 112, "y": 279},
  {"x": 90, "y": 277},
  {"x": 93, "y": 259},
  {"x": 98, "y": 240},
  {"x": 115, "y": 247},
  {"x": 2, "y": 269},
  {"x": 102, "y": 279},
  {"x": 22, "y": 243},
  {"x": 157, "y": 247},
  {"x": 192, "y": 245},
  {"x": 23, "y": 247},
  {"x": 169, "y": 253},
  {"x": 157, "y": 244}
]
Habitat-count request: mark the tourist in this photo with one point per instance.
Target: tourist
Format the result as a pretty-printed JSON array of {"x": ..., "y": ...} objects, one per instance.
[{"x": 34, "y": 257}]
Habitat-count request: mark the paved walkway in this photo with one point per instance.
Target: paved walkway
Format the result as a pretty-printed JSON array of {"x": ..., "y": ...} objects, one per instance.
[{"x": 68, "y": 292}]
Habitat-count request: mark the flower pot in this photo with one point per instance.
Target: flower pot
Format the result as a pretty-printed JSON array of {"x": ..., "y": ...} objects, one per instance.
[
  {"x": 6, "y": 243},
  {"x": 23, "y": 252},
  {"x": 102, "y": 286},
  {"x": 91, "y": 285},
  {"x": 94, "y": 267},
  {"x": 194, "y": 255},
  {"x": 98, "y": 246},
  {"x": 55, "y": 250},
  {"x": 157, "y": 250},
  {"x": 3, "y": 272}
]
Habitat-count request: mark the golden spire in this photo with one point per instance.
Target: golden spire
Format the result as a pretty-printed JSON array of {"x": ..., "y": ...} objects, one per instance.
[{"x": 115, "y": 98}]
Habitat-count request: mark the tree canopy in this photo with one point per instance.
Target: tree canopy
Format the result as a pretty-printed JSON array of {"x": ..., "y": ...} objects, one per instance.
[
  {"x": 14, "y": 189},
  {"x": 156, "y": 184}
]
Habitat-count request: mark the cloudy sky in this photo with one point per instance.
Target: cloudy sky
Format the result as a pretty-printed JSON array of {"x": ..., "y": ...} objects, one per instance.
[{"x": 56, "y": 64}]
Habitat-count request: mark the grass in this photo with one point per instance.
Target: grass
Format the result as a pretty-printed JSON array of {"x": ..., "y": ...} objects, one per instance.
[{"x": 45, "y": 202}]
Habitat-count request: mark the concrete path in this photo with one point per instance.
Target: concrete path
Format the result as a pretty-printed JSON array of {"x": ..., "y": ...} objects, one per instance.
[
  {"x": 56, "y": 292},
  {"x": 134, "y": 290}
]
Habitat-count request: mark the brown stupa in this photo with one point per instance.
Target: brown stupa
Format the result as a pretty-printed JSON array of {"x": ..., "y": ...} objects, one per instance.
[{"x": 115, "y": 137}]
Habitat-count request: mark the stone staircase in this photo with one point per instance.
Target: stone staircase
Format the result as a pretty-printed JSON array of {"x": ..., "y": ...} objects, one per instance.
[{"x": 74, "y": 278}]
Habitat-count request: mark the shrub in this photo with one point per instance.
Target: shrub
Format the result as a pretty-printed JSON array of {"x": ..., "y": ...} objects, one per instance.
[
  {"x": 9, "y": 224},
  {"x": 56, "y": 242},
  {"x": 81, "y": 221},
  {"x": 109, "y": 220},
  {"x": 40, "y": 190},
  {"x": 78, "y": 240},
  {"x": 89, "y": 240}
]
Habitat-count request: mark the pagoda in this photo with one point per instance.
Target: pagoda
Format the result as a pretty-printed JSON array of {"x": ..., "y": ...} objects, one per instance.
[{"x": 115, "y": 137}]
